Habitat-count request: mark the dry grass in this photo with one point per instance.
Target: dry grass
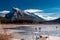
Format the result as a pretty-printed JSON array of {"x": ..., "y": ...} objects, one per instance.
[{"x": 5, "y": 37}]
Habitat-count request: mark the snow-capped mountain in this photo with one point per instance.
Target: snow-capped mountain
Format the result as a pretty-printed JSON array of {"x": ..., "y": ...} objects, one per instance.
[
  {"x": 41, "y": 14},
  {"x": 18, "y": 14},
  {"x": 55, "y": 21}
]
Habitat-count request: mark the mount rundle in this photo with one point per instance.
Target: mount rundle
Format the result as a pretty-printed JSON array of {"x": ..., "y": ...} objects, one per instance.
[{"x": 17, "y": 14}]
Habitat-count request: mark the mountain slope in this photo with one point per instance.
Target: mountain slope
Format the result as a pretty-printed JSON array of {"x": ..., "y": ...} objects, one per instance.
[
  {"x": 18, "y": 14},
  {"x": 56, "y": 20}
]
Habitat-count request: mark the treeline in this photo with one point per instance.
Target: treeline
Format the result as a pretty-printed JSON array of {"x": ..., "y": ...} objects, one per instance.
[{"x": 3, "y": 20}]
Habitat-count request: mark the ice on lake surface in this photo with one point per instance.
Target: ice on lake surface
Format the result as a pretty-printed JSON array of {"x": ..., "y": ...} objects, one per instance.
[
  {"x": 29, "y": 31},
  {"x": 45, "y": 29}
]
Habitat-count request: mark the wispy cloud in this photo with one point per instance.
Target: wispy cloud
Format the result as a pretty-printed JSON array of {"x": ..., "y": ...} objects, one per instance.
[
  {"x": 4, "y": 12},
  {"x": 33, "y": 10}
]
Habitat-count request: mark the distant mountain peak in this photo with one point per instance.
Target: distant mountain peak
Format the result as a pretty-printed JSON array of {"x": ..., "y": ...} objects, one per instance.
[
  {"x": 17, "y": 9},
  {"x": 18, "y": 14}
]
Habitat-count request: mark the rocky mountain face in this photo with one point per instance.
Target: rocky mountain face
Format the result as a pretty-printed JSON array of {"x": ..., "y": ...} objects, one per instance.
[{"x": 18, "y": 14}]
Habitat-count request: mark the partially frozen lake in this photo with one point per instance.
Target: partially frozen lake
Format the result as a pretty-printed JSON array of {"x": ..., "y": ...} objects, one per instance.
[{"x": 31, "y": 29}]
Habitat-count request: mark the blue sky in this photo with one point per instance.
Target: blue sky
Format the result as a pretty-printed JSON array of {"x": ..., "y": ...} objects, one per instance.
[
  {"x": 49, "y": 7},
  {"x": 27, "y": 4}
]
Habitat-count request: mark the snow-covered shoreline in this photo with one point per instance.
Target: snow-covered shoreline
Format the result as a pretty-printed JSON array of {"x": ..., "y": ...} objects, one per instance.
[{"x": 52, "y": 37}]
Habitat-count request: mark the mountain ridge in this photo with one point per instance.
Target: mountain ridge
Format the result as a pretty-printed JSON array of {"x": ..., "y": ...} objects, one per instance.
[{"x": 17, "y": 15}]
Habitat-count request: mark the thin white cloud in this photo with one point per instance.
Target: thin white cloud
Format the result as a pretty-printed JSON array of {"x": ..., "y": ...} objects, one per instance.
[
  {"x": 4, "y": 12},
  {"x": 33, "y": 10}
]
